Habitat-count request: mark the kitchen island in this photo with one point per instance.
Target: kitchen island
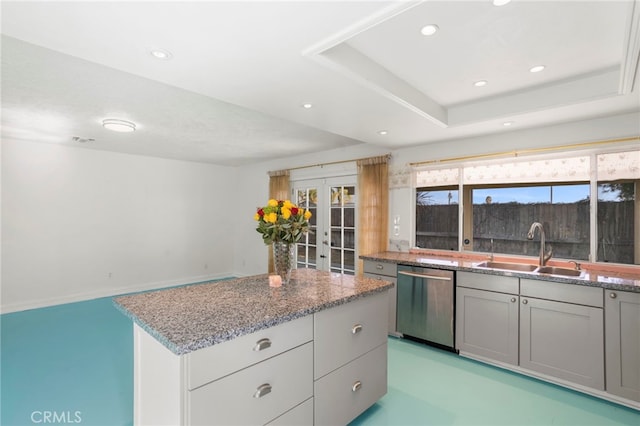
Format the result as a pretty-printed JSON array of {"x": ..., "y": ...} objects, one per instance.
[{"x": 241, "y": 352}]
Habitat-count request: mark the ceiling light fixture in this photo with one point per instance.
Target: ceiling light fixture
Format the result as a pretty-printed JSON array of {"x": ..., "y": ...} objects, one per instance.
[
  {"x": 118, "y": 125},
  {"x": 507, "y": 123},
  {"x": 500, "y": 2},
  {"x": 307, "y": 105},
  {"x": 480, "y": 83},
  {"x": 161, "y": 54},
  {"x": 430, "y": 29},
  {"x": 382, "y": 132},
  {"x": 537, "y": 68}
]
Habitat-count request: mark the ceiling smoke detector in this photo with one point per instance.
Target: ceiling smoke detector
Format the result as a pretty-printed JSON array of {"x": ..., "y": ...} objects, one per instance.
[{"x": 82, "y": 140}]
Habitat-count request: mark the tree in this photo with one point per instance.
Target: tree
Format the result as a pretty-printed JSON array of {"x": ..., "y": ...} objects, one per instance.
[{"x": 625, "y": 190}]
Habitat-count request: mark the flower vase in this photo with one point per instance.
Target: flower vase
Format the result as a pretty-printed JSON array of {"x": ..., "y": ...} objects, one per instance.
[{"x": 283, "y": 260}]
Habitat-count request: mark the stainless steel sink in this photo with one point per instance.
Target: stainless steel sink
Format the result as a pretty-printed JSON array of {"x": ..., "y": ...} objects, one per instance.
[
  {"x": 556, "y": 270},
  {"x": 508, "y": 266}
]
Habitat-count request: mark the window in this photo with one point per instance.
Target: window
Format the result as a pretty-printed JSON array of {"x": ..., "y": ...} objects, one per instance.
[
  {"x": 502, "y": 217},
  {"x": 437, "y": 218},
  {"x": 618, "y": 218},
  {"x": 500, "y": 201}
]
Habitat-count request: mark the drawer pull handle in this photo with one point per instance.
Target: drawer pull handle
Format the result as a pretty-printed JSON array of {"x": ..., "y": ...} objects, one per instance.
[
  {"x": 525, "y": 301},
  {"x": 513, "y": 299},
  {"x": 379, "y": 267},
  {"x": 262, "y": 390},
  {"x": 262, "y": 344},
  {"x": 356, "y": 386},
  {"x": 356, "y": 329},
  {"x": 613, "y": 295}
]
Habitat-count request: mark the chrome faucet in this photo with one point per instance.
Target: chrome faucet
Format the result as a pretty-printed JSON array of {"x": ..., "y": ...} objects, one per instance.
[{"x": 543, "y": 257}]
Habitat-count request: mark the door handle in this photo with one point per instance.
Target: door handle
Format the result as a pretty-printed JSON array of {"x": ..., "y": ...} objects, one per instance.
[
  {"x": 262, "y": 344},
  {"x": 430, "y": 277},
  {"x": 262, "y": 390}
]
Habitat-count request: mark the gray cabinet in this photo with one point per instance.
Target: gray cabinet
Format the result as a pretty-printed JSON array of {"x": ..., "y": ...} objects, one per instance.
[
  {"x": 386, "y": 272},
  {"x": 553, "y": 329},
  {"x": 487, "y": 316},
  {"x": 487, "y": 324},
  {"x": 622, "y": 331},
  {"x": 350, "y": 359},
  {"x": 563, "y": 337}
]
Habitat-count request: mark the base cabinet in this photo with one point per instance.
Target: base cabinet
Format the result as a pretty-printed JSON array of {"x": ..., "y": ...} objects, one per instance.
[
  {"x": 386, "y": 272},
  {"x": 487, "y": 324},
  {"x": 324, "y": 368},
  {"x": 562, "y": 340},
  {"x": 552, "y": 331},
  {"x": 622, "y": 343}
]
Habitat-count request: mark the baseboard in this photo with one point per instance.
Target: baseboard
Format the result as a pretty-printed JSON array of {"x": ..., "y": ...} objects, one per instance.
[{"x": 81, "y": 297}]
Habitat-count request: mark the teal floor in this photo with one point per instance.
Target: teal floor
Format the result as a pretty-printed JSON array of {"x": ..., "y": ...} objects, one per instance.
[{"x": 75, "y": 361}]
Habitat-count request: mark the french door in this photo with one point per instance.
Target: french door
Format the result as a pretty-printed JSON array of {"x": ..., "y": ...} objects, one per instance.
[{"x": 331, "y": 246}]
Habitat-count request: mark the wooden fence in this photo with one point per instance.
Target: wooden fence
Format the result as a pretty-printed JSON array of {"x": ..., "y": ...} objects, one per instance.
[{"x": 566, "y": 229}]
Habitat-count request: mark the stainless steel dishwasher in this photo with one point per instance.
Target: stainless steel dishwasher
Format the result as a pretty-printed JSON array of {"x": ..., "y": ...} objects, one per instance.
[{"x": 426, "y": 304}]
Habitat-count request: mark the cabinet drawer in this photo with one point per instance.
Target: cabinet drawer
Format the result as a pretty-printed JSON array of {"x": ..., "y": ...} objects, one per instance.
[
  {"x": 233, "y": 400},
  {"x": 488, "y": 282},
  {"x": 298, "y": 416},
  {"x": 348, "y": 331},
  {"x": 380, "y": 268},
  {"x": 570, "y": 293},
  {"x": 209, "y": 364},
  {"x": 337, "y": 397}
]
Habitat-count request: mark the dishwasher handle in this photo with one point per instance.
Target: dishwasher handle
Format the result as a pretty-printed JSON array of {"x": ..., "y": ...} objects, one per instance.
[{"x": 430, "y": 277}]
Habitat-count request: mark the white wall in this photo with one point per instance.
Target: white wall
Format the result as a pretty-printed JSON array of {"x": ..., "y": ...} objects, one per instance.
[{"x": 80, "y": 223}]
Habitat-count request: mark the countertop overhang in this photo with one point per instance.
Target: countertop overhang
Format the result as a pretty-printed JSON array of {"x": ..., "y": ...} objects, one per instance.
[
  {"x": 591, "y": 276},
  {"x": 188, "y": 318}
]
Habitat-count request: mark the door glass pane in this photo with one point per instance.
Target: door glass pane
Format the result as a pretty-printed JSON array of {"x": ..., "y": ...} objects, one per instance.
[
  {"x": 349, "y": 239},
  {"x": 343, "y": 229},
  {"x": 307, "y": 198}
]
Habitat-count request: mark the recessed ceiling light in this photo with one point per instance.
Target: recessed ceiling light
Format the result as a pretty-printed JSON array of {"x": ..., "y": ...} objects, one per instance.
[
  {"x": 118, "y": 125},
  {"x": 500, "y": 2},
  {"x": 537, "y": 68},
  {"x": 382, "y": 132},
  {"x": 307, "y": 105},
  {"x": 480, "y": 83},
  {"x": 507, "y": 123},
  {"x": 161, "y": 54},
  {"x": 430, "y": 29}
]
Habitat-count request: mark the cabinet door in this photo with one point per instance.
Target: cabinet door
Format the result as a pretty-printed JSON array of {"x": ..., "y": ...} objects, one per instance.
[
  {"x": 487, "y": 324},
  {"x": 622, "y": 337},
  {"x": 562, "y": 340},
  {"x": 393, "y": 292}
]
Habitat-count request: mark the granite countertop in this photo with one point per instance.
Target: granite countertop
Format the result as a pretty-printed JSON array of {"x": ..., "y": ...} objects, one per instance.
[
  {"x": 193, "y": 317},
  {"x": 593, "y": 275}
]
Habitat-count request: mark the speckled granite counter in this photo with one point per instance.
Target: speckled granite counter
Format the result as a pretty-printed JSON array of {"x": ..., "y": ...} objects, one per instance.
[
  {"x": 188, "y": 318},
  {"x": 590, "y": 276}
]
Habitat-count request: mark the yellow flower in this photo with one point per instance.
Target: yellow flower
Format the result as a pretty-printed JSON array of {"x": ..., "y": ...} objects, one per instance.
[
  {"x": 287, "y": 204},
  {"x": 271, "y": 217},
  {"x": 286, "y": 212},
  {"x": 256, "y": 216},
  {"x": 272, "y": 203},
  {"x": 307, "y": 214}
]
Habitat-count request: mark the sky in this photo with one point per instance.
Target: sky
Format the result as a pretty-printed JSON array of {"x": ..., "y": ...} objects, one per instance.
[{"x": 537, "y": 194}]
